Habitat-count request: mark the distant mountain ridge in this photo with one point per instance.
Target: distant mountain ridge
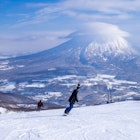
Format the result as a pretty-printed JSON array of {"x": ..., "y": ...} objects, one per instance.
[
  {"x": 84, "y": 52},
  {"x": 18, "y": 102},
  {"x": 86, "y": 46}
]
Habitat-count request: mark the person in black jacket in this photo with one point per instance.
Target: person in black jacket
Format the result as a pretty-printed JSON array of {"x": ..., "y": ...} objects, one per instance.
[{"x": 72, "y": 99}]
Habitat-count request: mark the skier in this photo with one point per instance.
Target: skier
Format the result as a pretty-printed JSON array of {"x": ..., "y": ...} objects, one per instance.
[
  {"x": 39, "y": 104},
  {"x": 72, "y": 100}
]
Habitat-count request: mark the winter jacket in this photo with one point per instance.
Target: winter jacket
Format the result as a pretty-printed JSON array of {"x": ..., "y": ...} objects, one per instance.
[
  {"x": 40, "y": 104},
  {"x": 73, "y": 96}
]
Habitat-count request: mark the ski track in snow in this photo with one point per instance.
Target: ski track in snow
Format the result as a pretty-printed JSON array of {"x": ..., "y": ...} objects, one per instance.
[{"x": 116, "y": 121}]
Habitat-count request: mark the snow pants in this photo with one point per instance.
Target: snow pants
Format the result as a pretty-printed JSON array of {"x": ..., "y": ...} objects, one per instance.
[{"x": 68, "y": 109}]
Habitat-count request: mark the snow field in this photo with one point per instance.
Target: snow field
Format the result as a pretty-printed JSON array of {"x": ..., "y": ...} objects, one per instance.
[{"x": 116, "y": 121}]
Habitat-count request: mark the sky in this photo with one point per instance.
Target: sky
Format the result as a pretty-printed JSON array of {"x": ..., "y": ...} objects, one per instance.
[
  {"x": 29, "y": 26},
  {"x": 116, "y": 121}
]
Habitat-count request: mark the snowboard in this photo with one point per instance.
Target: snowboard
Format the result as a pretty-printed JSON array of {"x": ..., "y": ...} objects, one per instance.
[{"x": 65, "y": 114}]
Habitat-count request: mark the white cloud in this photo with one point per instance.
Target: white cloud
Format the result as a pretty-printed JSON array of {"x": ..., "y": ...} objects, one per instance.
[
  {"x": 36, "y": 5},
  {"x": 31, "y": 42},
  {"x": 105, "y": 6},
  {"x": 82, "y": 9},
  {"x": 104, "y": 29}
]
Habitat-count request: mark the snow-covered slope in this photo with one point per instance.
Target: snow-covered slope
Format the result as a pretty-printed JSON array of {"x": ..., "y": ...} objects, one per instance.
[{"x": 118, "y": 121}]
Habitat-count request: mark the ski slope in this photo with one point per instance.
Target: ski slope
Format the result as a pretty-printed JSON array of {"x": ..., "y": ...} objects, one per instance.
[{"x": 116, "y": 121}]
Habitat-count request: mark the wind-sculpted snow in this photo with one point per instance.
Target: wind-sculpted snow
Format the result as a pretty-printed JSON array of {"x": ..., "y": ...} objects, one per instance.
[{"x": 118, "y": 121}]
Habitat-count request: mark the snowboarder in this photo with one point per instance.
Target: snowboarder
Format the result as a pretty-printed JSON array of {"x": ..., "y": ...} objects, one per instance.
[
  {"x": 39, "y": 104},
  {"x": 72, "y": 99}
]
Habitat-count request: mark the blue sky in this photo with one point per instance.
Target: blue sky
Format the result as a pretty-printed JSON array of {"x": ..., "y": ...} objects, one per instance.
[{"x": 28, "y": 26}]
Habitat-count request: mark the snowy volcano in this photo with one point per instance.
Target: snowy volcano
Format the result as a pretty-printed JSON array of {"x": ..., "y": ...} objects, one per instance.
[
  {"x": 104, "y": 50},
  {"x": 101, "y": 43}
]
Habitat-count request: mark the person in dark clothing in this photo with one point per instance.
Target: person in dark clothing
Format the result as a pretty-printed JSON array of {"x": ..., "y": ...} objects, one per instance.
[
  {"x": 73, "y": 98},
  {"x": 39, "y": 104}
]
